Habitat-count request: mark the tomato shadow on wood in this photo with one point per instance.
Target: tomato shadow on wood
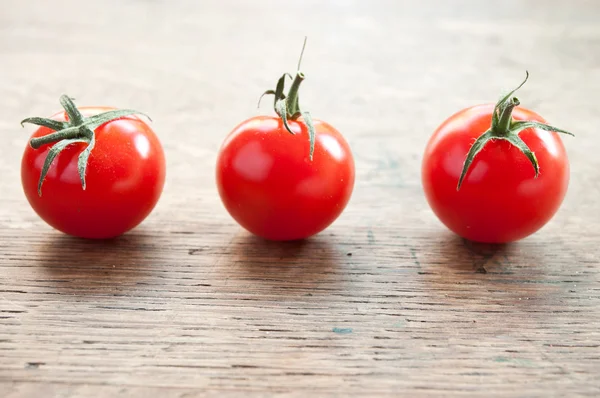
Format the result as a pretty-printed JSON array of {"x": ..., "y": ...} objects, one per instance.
[
  {"x": 491, "y": 272},
  {"x": 477, "y": 258},
  {"x": 472, "y": 259},
  {"x": 89, "y": 267},
  {"x": 313, "y": 264}
]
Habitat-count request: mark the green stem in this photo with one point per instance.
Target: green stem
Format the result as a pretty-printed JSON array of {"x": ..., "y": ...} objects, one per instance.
[
  {"x": 506, "y": 120},
  {"x": 292, "y": 98}
]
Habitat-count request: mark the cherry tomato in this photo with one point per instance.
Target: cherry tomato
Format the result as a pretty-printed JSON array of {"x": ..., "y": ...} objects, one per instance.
[
  {"x": 272, "y": 188},
  {"x": 287, "y": 177},
  {"x": 500, "y": 199},
  {"x": 124, "y": 178}
]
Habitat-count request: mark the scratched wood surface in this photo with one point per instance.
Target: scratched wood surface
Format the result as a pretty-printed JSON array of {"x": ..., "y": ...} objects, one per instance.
[{"x": 385, "y": 301}]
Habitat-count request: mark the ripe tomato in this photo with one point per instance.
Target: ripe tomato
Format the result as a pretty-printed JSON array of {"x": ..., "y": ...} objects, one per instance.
[
  {"x": 270, "y": 186},
  {"x": 124, "y": 176},
  {"x": 286, "y": 177},
  {"x": 500, "y": 198}
]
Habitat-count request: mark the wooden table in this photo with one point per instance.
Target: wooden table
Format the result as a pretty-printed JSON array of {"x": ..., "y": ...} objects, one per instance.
[{"x": 384, "y": 302}]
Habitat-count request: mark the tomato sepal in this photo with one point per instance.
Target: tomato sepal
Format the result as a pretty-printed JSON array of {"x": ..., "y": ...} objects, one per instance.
[
  {"x": 52, "y": 154},
  {"x": 473, "y": 151},
  {"x": 82, "y": 161},
  {"x": 280, "y": 109},
  {"x": 45, "y": 122},
  {"x": 311, "y": 131},
  {"x": 520, "y": 125}
]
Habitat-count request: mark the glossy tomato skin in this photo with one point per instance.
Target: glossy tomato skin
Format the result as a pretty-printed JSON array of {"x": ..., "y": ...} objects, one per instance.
[
  {"x": 124, "y": 179},
  {"x": 499, "y": 201},
  {"x": 269, "y": 185}
]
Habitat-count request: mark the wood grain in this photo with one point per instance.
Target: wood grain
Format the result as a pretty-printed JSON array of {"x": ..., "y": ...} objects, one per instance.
[{"x": 385, "y": 301}]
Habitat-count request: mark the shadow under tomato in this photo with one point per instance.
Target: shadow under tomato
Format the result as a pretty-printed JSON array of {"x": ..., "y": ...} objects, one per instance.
[
  {"x": 473, "y": 257},
  {"x": 313, "y": 263},
  {"x": 493, "y": 273},
  {"x": 89, "y": 267},
  {"x": 466, "y": 258}
]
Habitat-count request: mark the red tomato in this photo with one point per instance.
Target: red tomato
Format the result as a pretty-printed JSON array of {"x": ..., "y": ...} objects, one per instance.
[
  {"x": 124, "y": 179},
  {"x": 500, "y": 199},
  {"x": 272, "y": 188}
]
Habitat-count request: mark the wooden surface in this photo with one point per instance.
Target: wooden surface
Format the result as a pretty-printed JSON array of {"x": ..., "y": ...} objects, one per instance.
[{"x": 385, "y": 301}]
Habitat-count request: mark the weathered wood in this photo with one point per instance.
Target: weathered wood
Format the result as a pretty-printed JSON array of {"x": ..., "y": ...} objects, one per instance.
[{"x": 386, "y": 301}]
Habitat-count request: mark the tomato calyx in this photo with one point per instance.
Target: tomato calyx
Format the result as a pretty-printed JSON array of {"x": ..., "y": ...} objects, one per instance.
[
  {"x": 288, "y": 106},
  {"x": 77, "y": 129},
  {"x": 504, "y": 127}
]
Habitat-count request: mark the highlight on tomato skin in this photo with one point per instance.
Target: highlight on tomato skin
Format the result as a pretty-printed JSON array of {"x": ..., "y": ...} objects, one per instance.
[
  {"x": 96, "y": 181},
  {"x": 495, "y": 173}
]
